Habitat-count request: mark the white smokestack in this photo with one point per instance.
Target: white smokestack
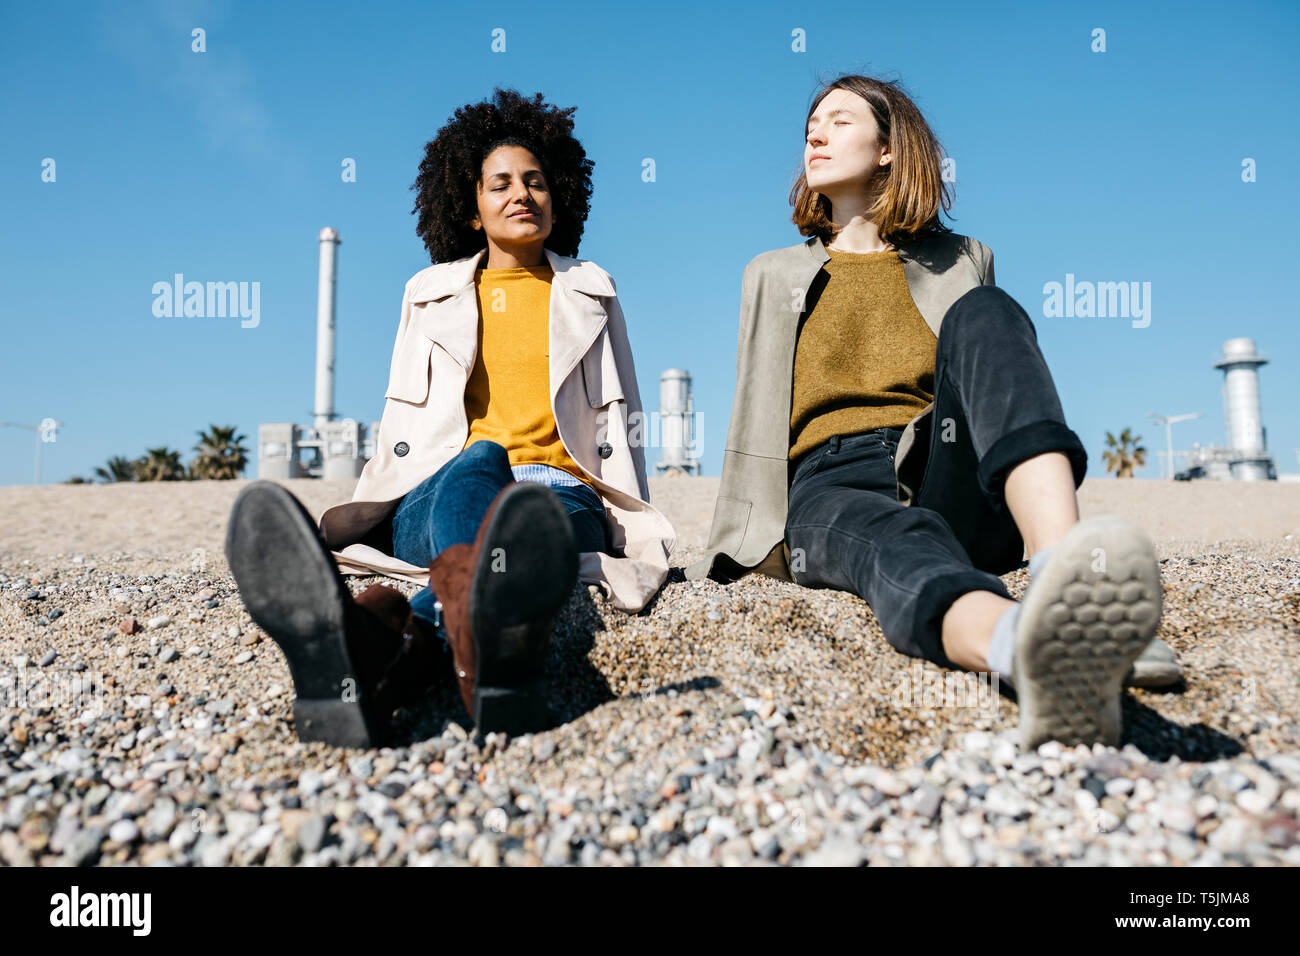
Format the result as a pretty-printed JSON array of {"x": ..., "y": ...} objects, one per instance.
[
  {"x": 1241, "y": 406},
  {"x": 324, "y": 412},
  {"x": 1249, "y": 458},
  {"x": 677, "y": 424}
]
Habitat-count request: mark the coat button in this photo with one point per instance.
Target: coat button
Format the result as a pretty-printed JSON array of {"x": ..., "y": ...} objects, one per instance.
[
  {"x": 605, "y": 449},
  {"x": 401, "y": 448}
]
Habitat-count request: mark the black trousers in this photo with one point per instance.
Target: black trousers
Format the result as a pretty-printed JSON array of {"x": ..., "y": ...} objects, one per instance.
[{"x": 995, "y": 406}]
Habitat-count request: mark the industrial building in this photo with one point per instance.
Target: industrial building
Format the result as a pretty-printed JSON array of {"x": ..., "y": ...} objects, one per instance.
[
  {"x": 329, "y": 447},
  {"x": 677, "y": 434},
  {"x": 1245, "y": 457}
]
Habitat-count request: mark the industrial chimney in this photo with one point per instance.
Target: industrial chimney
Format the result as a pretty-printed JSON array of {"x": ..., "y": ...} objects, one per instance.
[
  {"x": 338, "y": 449},
  {"x": 677, "y": 424},
  {"x": 1240, "y": 363},
  {"x": 325, "y": 313}
]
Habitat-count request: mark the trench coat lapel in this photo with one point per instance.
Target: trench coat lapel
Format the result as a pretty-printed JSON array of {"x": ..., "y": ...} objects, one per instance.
[
  {"x": 576, "y": 313},
  {"x": 801, "y": 275}
]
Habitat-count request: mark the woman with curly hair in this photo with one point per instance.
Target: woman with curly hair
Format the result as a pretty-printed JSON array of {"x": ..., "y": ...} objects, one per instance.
[
  {"x": 896, "y": 433},
  {"x": 504, "y": 469}
]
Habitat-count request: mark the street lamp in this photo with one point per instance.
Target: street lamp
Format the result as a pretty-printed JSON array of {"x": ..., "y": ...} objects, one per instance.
[
  {"x": 1168, "y": 422},
  {"x": 45, "y": 432}
]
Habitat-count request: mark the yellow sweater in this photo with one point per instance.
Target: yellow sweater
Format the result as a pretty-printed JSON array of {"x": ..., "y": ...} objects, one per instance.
[
  {"x": 508, "y": 395},
  {"x": 864, "y": 358}
]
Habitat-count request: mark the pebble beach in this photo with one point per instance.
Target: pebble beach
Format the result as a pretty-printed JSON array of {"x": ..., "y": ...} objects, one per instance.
[{"x": 148, "y": 721}]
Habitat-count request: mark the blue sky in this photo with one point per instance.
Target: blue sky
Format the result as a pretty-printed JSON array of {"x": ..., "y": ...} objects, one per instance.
[{"x": 1116, "y": 166}]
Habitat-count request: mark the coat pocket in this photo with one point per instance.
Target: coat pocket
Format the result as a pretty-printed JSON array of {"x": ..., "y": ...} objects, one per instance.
[
  {"x": 730, "y": 522},
  {"x": 409, "y": 379}
]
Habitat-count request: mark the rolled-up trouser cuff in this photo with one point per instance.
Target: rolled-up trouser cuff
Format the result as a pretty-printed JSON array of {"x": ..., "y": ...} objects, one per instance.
[
  {"x": 1023, "y": 443},
  {"x": 933, "y": 602}
]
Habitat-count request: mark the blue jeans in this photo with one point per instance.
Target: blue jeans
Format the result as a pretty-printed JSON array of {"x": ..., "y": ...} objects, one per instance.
[
  {"x": 448, "y": 507},
  {"x": 995, "y": 405}
]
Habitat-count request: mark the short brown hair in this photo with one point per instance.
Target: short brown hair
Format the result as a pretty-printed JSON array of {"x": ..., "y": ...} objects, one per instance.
[{"x": 911, "y": 191}]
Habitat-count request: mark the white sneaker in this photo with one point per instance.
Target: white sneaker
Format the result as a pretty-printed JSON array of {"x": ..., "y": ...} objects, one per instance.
[
  {"x": 1086, "y": 617},
  {"x": 1156, "y": 667}
]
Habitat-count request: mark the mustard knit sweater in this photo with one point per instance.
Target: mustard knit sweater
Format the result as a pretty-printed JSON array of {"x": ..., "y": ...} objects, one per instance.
[
  {"x": 508, "y": 395},
  {"x": 864, "y": 358}
]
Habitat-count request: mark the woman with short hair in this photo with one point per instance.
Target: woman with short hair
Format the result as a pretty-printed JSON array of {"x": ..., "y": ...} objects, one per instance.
[{"x": 896, "y": 433}]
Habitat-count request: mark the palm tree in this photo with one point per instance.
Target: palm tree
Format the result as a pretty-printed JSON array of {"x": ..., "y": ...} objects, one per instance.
[
  {"x": 119, "y": 469},
  {"x": 1122, "y": 460},
  {"x": 160, "y": 464},
  {"x": 77, "y": 480},
  {"x": 222, "y": 455}
]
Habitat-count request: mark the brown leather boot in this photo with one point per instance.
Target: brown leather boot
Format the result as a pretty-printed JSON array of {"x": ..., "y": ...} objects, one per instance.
[
  {"x": 450, "y": 576},
  {"x": 498, "y": 597}
]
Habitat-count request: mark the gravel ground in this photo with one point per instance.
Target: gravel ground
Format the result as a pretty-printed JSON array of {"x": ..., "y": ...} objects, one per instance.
[{"x": 148, "y": 720}]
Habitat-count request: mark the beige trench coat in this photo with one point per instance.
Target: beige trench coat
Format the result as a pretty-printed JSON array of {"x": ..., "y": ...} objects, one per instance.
[
  {"x": 594, "y": 398},
  {"x": 748, "y": 531}
]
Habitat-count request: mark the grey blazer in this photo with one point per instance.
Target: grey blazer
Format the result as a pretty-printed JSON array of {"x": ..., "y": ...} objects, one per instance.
[{"x": 748, "y": 531}]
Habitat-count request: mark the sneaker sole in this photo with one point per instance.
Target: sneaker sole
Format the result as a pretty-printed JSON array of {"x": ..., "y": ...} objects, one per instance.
[
  {"x": 291, "y": 587},
  {"x": 1084, "y": 621},
  {"x": 526, "y": 569},
  {"x": 1153, "y": 675},
  {"x": 1158, "y": 669}
]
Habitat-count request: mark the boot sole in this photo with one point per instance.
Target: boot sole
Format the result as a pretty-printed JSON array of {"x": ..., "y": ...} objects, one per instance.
[
  {"x": 526, "y": 569},
  {"x": 291, "y": 587},
  {"x": 1080, "y": 631}
]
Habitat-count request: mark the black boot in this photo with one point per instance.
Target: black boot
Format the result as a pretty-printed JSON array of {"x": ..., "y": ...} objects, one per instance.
[{"x": 338, "y": 649}]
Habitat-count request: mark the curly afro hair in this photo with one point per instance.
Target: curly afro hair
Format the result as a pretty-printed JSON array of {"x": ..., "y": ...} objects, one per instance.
[{"x": 447, "y": 186}]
